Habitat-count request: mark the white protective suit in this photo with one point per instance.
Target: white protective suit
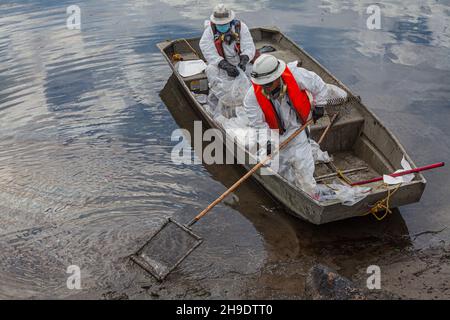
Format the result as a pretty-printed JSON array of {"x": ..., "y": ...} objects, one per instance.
[
  {"x": 226, "y": 93},
  {"x": 296, "y": 160}
]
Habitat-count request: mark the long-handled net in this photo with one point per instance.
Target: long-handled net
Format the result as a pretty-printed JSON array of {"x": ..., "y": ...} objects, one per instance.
[{"x": 168, "y": 247}]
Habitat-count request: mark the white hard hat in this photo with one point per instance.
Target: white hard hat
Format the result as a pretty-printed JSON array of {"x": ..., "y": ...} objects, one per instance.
[
  {"x": 266, "y": 69},
  {"x": 222, "y": 14}
]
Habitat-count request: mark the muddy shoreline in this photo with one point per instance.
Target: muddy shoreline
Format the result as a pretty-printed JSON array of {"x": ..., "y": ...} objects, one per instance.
[{"x": 416, "y": 274}]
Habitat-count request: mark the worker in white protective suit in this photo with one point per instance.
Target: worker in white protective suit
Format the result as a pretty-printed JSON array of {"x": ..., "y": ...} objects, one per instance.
[
  {"x": 228, "y": 48},
  {"x": 283, "y": 98}
]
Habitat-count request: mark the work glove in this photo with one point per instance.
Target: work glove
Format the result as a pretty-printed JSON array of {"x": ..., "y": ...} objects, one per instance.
[
  {"x": 244, "y": 60},
  {"x": 318, "y": 113},
  {"x": 231, "y": 70}
]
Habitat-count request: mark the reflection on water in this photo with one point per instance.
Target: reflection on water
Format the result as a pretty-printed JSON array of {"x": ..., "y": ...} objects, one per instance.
[{"x": 85, "y": 169}]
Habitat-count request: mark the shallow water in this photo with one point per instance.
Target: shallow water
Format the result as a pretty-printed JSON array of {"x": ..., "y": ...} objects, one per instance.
[{"x": 85, "y": 169}]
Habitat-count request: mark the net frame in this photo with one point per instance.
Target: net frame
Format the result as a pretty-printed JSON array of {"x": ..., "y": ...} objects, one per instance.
[{"x": 150, "y": 267}]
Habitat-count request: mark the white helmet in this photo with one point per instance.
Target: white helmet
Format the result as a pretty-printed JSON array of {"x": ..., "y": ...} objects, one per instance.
[
  {"x": 266, "y": 69},
  {"x": 222, "y": 14}
]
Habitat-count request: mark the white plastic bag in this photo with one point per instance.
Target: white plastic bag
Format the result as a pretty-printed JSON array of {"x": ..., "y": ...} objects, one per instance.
[
  {"x": 226, "y": 92},
  {"x": 201, "y": 98},
  {"x": 318, "y": 154},
  {"x": 402, "y": 179},
  {"x": 346, "y": 194},
  {"x": 236, "y": 89}
]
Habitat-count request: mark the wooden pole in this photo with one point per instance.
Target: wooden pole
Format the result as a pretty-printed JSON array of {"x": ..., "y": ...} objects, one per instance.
[{"x": 325, "y": 132}]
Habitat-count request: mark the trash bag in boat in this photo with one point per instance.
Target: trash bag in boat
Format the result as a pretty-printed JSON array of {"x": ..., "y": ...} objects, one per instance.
[
  {"x": 226, "y": 93},
  {"x": 318, "y": 154},
  {"x": 346, "y": 194}
]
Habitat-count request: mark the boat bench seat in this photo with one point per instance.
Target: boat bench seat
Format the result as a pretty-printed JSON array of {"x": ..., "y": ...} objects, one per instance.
[{"x": 343, "y": 133}]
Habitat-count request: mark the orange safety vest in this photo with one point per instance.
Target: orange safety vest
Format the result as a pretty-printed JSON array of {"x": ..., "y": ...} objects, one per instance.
[{"x": 299, "y": 99}]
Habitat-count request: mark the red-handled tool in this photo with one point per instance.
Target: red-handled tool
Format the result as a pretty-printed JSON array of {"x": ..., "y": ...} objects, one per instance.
[{"x": 429, "y": 167}]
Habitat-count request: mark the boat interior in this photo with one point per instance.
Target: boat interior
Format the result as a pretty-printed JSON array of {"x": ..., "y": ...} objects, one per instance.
[{"x": 360, "y": 146}]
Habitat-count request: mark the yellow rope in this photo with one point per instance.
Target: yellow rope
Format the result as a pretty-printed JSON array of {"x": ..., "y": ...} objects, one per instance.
[
  {"x": 343, "y": 177},
  {"x": 383, "y": 204}
]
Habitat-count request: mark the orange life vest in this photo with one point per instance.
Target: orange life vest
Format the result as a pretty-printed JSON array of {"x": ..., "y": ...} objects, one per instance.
[{"x": 299, "y": 100}]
